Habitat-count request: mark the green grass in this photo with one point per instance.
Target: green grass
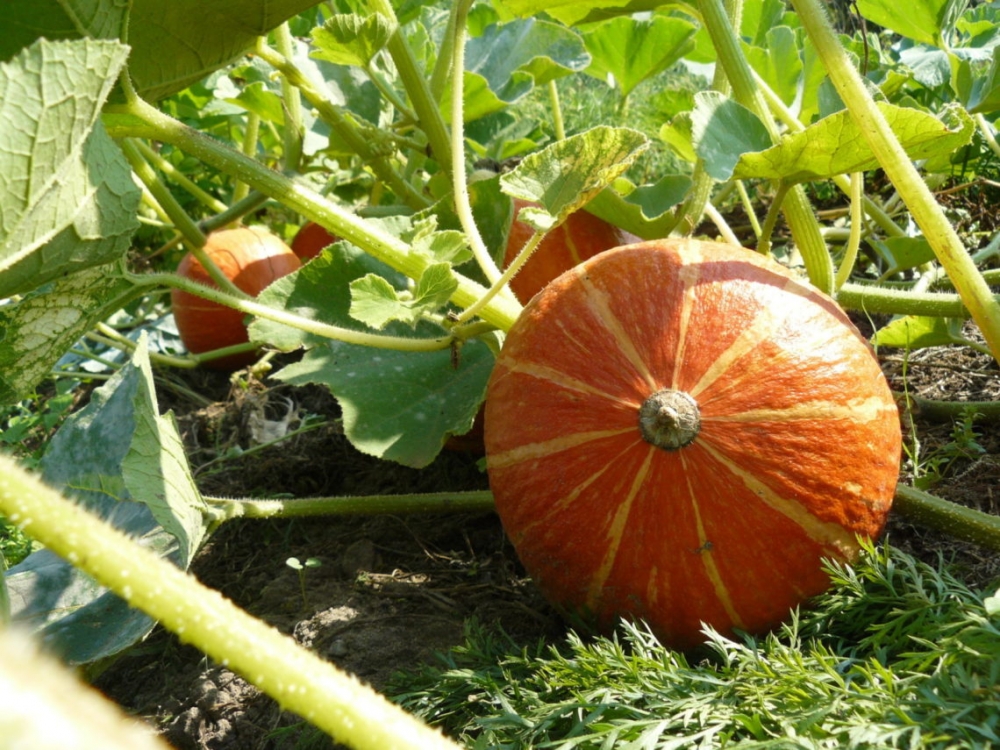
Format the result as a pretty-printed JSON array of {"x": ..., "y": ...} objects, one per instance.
[{"x": 897, "y": 654}]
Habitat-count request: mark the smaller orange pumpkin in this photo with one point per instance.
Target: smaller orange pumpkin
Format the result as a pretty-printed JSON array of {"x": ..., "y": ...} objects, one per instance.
[
  {"x": 580, "y": 237},
  {"x": 310, "y": 241},
  {"x": 252, "y": 258}
]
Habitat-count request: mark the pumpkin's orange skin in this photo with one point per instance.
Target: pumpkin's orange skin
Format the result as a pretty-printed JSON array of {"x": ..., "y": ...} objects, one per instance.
[
  {"x": 581, "y": 236},
  {"x": 798, "y": 450},
  {"x": 310, "y": 240},
  {"x": 252, "y": 258}
]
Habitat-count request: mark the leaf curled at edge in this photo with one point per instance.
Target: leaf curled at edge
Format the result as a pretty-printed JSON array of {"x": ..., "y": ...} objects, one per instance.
[{"x": 564, "y": 176}]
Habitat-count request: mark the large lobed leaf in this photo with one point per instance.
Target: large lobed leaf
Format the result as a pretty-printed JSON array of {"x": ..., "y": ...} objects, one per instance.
[
  {"x": 126, "y": 463},
  {"x": 67, "y": 199},
  {"x": 399, "y": 406},
  {"x": 173, "y": 43}
]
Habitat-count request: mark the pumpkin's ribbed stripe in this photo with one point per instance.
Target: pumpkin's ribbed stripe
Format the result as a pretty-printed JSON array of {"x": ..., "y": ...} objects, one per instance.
[
  {"x": 830, "y": 535},
  {"x": 761, "y": 329},
  {"x": 616, "y": 532},
  {"x": 861, "y": 411},
  {"x": 546, "y": 448},
  {"x": 688, "y": 274},
  {"x": 544, "y": 372},
  {"x": 560, "y": 506},
  {"x": 711, "y": 570},
  {"x": 597, "y": 301}
]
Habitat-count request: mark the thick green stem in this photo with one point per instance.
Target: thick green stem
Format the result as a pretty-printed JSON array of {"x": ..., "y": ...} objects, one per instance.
[
  {"x": 174, "y": 211},
  {"x": 948, "y": 411},
  {"x": 928, "y": 215},
  {"x": 854, "y": 240},
  {"x": 948, "y": 517},
  {"x": 432, "y": 502},
  {"x": 689, "y": 213},
  {"x": 877, "y": 299},
  {"x": 147, "y": 121},
  {"x": 179, "y": 178},
  {"x": 294, "y": 131},
  {"x": 250, "y": 138},
  {"x": 798, "y": 212},
  {"x": 298, "y": 679},
  {"x": 182, "y": 222}
]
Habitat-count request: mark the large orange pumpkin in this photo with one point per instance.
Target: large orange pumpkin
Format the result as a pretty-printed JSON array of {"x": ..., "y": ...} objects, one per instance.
[
  {"x": 581, "y": 236},
  {"x": 680, "y": 431},
  {"x": 252, "y": 258}
]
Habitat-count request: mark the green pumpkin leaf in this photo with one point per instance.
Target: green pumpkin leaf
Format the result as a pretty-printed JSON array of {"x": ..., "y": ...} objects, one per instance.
[
  {"x": 634, "y": 50},
  {"x": 565, "y": 175},
  {"x": 645, "y": 212},
  {"x": 174, "y": 44},
  {"x": 122, "y": 460},
  {"x": 577, "y": 12},
  {"x": 980, "y": 89},
  {"x": 778, "y": 62},
  {"x": 320, "y": 290},
  {"x": 67, "y": 196},
  {"x": 723, "y": 130},
  {"x": 350, "y": 39},
  {"x": 514, "y": 57},
  {"x": 375, "y": 303},
  {"x": 37, "y": 330},
  {"x": 903, "y": 253},
  {"x": 399, "y": 406},
  {"x": 920, "y": 20},
  {"x": 25, "y": 21},
  {"x": 835, "y": 144},
  {"x": 920, "y": 332}
]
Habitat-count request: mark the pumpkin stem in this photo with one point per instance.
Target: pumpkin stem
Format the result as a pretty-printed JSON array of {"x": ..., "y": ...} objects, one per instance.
[{"x": 669, "y": 419}]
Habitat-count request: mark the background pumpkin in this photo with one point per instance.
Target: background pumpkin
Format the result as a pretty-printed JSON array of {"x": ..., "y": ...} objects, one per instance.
[
  {"x": 252, "y": 258},
  {"x": 581, "y": 236},
  {"x": 310, "y": 240},
  {"x": 797, "y": 450}
]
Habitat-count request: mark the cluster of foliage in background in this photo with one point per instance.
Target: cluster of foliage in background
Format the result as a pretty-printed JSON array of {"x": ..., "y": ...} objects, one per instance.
[{"x": 407, "y": 130}]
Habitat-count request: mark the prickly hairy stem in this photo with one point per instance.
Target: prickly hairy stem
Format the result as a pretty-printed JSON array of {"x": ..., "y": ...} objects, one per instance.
[
  {"x": 428, "y": 502},
  {"x": 300, "y": 681},
  {"x": 948, "y": 517},
  {"x": 961, "y": 269}
]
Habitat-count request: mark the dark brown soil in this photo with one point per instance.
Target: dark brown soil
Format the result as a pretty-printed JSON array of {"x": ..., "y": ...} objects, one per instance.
[{"x": 392, "y": 591}]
